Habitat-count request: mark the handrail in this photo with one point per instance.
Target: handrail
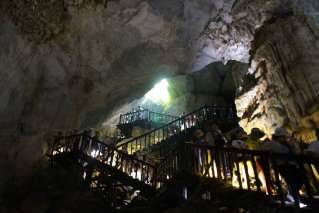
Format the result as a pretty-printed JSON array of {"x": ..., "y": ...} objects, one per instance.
[
  {"x": 58, "y": 138},
  {"x": 259, "y": 153},
  {"x": 119, "y": 151},
  {"x": 147, "y": 115},
  {"x": 164, "y": 115},
  {"x": 285, "y": 156},
  {"x": 169, "y": 167},
  {"x": 108, "y": 155},
  {"x": 249, "y": 170},
  {"x": 123, "y": 117},
  {"x": 183, "y": 123},
  {"x": 161, "y": 118}
]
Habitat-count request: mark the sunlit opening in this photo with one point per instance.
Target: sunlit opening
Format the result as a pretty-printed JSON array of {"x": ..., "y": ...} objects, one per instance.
[{"x": 159, "y": 93}]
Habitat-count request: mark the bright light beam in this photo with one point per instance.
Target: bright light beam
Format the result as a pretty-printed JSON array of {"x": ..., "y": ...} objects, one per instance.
[{"x": 159, "y": 93}]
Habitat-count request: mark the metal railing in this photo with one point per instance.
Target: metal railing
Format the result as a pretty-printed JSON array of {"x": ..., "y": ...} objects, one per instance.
[
  {"x": 146, "y": 115},
  {"x": 176, "y": 127},
  {"x": 91, "y": 147}
]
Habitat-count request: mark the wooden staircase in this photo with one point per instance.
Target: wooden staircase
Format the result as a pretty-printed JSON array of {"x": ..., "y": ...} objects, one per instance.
[
  {"x": 179, "y": 129},
  {"x": 144, "y": 118},
  {"x": 227, "y": 171}
]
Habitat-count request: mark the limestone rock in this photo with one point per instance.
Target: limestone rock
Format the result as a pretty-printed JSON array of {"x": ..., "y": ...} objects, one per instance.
[
  {"x": 215, "y": 84},
  {"x": 73, "y": 70},
  {"x": 70, "y": 64},
  {"x": 284, "y": 58}
]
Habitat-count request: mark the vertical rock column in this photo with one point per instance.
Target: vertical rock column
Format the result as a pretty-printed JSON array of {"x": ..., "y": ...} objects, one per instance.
[{"x": 284, "y": 63}]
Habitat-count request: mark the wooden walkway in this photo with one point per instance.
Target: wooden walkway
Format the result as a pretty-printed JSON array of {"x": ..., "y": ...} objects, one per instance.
[{"x": 224, "y": 173}]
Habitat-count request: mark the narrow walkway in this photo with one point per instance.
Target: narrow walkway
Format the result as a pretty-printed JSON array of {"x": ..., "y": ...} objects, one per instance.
[
  {"x": 247, "y": 171},
  {"x": 181, "y": 125}
]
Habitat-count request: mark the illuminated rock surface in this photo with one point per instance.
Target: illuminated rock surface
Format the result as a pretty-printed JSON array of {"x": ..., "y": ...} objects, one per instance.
[
  {"x": 214, "y": 85},
  {"x": 284, "y": 63},
  {"x": 72, "y": 63}
]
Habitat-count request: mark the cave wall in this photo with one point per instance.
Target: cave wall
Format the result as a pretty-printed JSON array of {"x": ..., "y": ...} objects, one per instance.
[
  {"x": 284, "y": 64},
  {"x": 215, "y": 84},
  {"x": 70, "y": 63},
  {"x": 280, "y": 38}
]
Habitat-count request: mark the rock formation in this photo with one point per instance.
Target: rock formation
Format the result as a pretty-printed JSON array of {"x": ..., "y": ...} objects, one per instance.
[
  {"x": 284, "y": 65},
  {"x": 68, "y": 64},
  {"x": 215, "y": 84}
]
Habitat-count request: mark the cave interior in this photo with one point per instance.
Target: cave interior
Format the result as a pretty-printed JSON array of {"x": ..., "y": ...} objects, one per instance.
[{"x": 103, "y": 102}]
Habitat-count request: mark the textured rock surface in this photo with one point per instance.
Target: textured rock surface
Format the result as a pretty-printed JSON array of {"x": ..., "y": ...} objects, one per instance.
[
  {"x": 67, "y": 64},
  {"x": 220, "y": 41},
  {"x": 106, "y": 54},
  {"x": 215, "y": 84},
  {"x": 285, "y": 65}
]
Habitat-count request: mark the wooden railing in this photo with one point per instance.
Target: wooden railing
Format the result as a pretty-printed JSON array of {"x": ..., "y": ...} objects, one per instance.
[
  {"x": 170, "y": 166},
  {"x": 133, "y": 167},
  {"x": 259, "y": 171},
  {"x": 264, "y": 172},
  {"x": 146, "y": 115},
  {"x": 177, "y": 127}
]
